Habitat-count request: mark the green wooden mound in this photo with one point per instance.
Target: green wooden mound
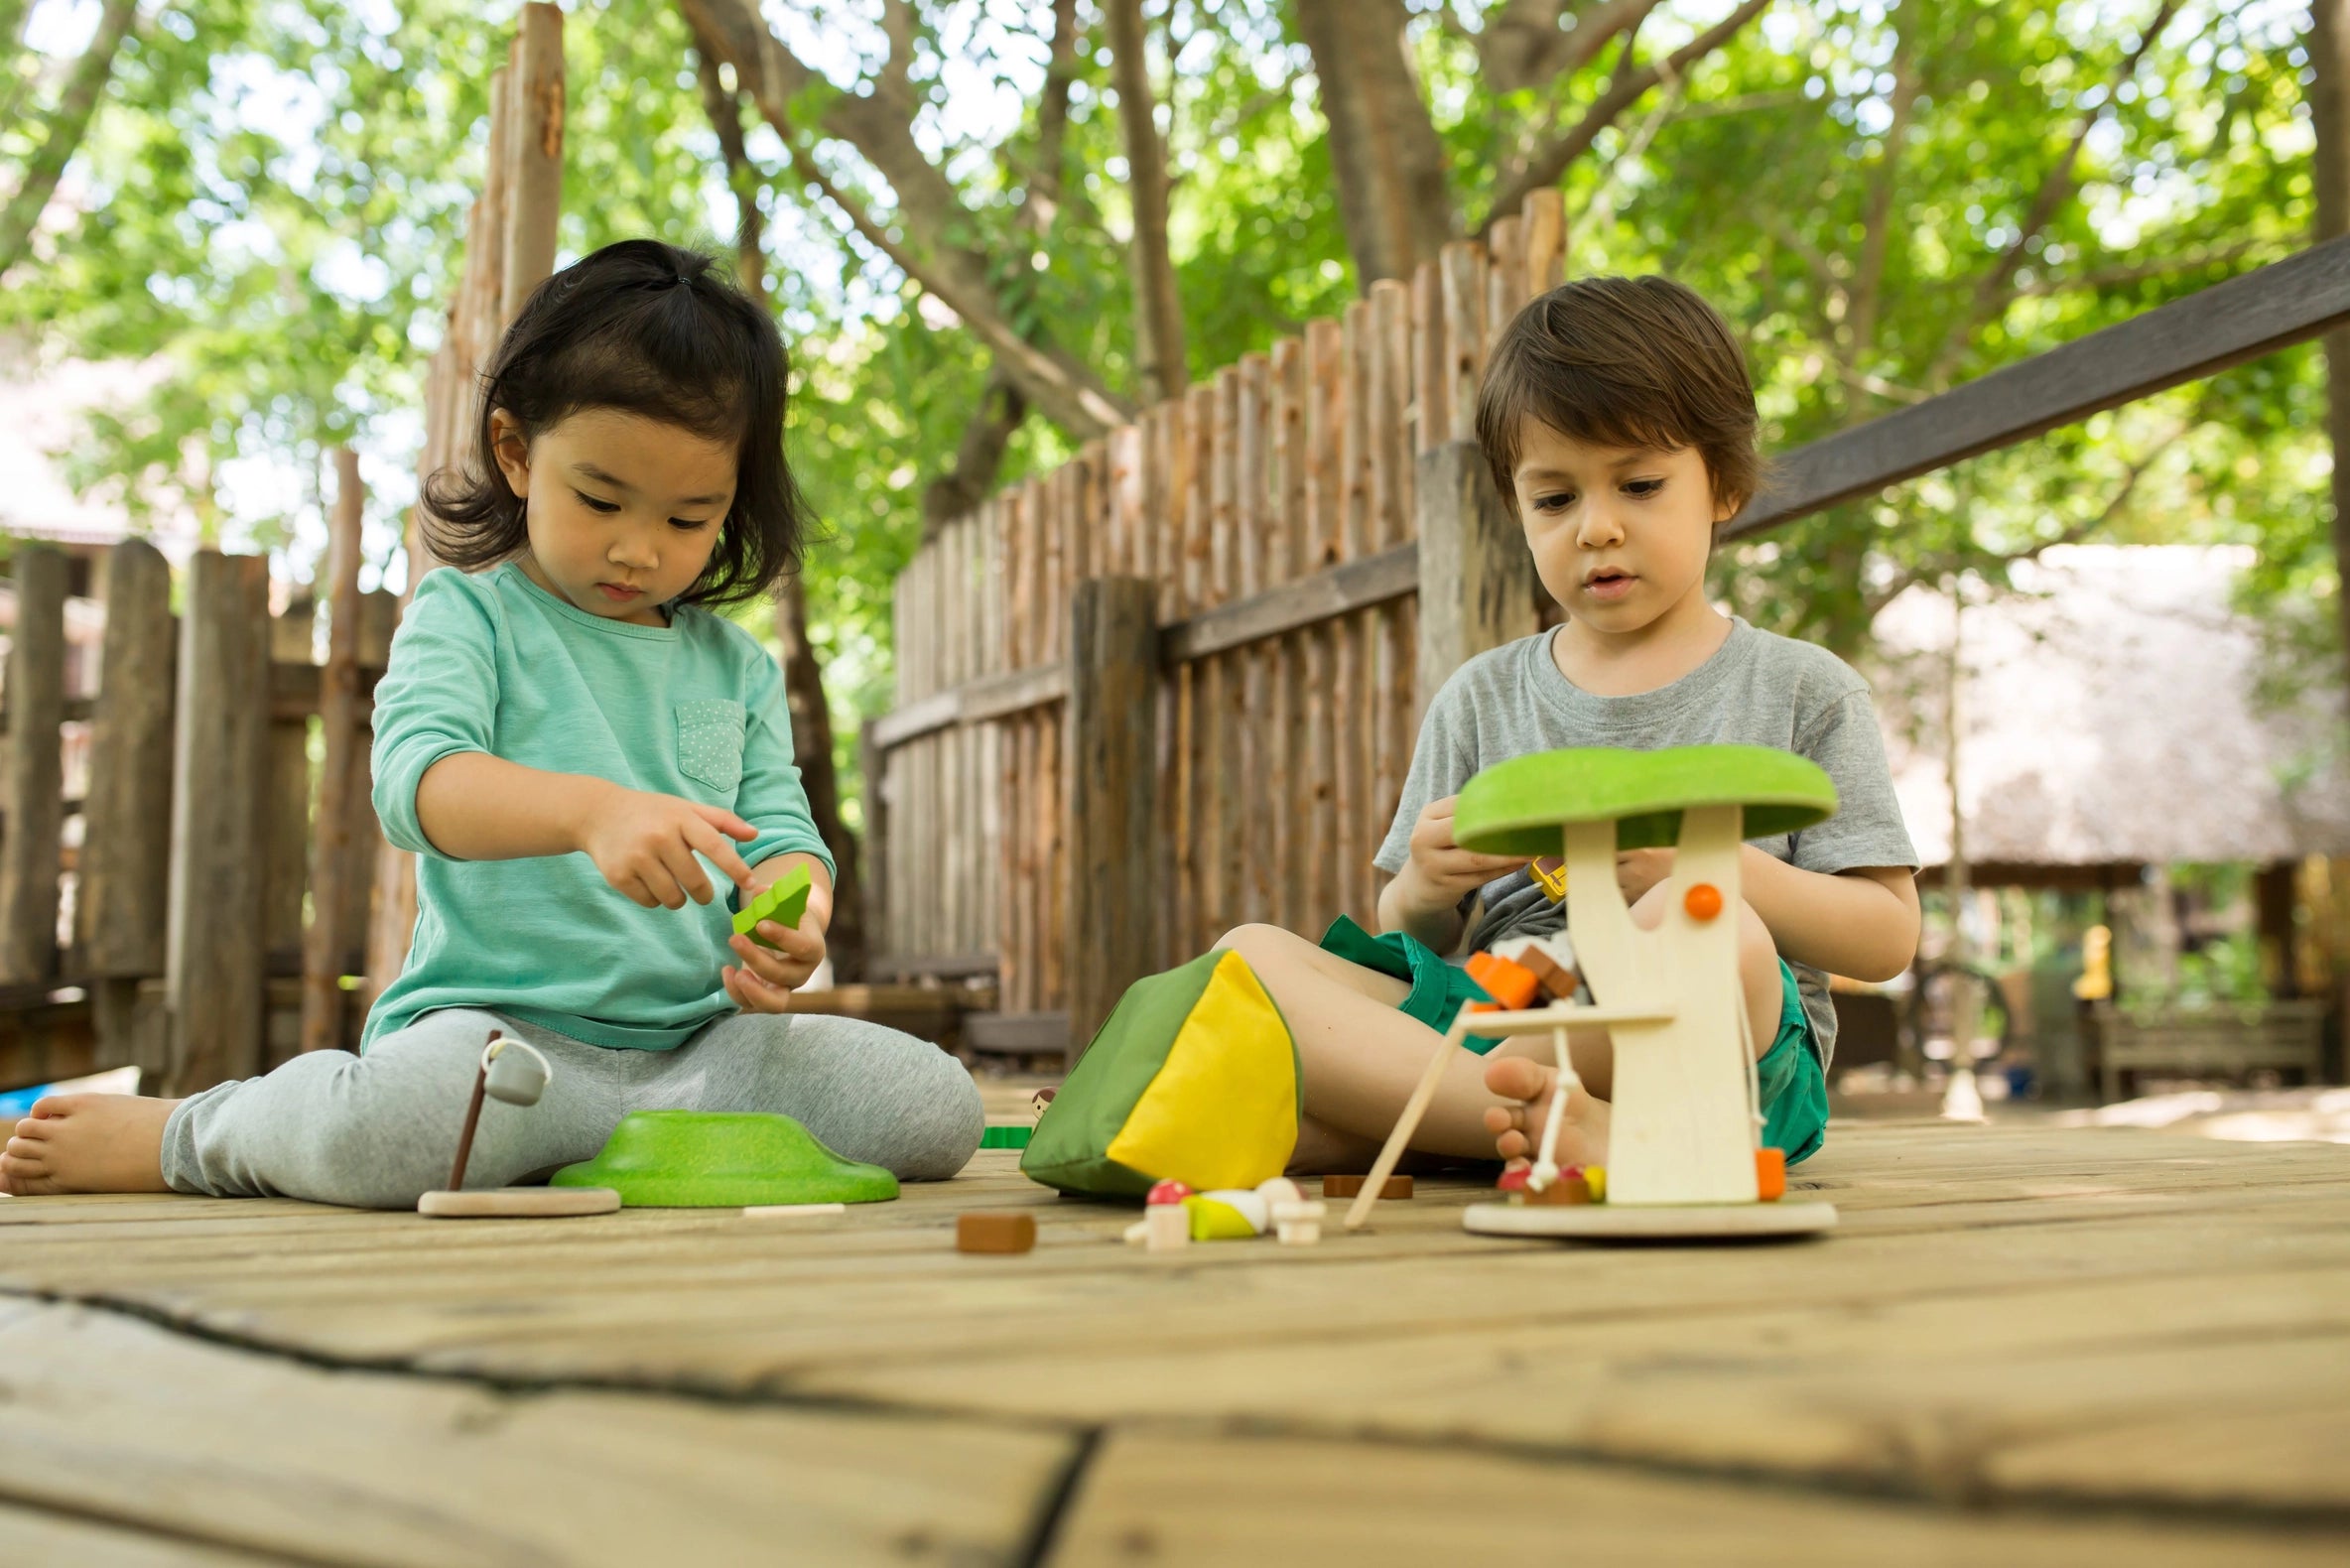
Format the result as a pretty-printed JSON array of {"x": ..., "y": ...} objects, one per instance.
[
  {"x": 1518, "y": 806},
  {"x": 716, "y": 1159},
  {"x": 784, "y": 903}
]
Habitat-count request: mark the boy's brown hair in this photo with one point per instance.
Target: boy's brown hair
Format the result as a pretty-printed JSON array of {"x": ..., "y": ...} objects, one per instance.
[{"x": 1623, "y": 362}]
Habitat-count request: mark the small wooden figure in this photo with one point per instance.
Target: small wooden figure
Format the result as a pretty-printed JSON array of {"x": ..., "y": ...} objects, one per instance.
[
  {"x": 1686, "y": 1118},
  {"x": 513, "y": 1071}
]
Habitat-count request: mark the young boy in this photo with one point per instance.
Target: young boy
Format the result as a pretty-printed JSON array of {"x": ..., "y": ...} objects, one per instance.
[{"x": 1621, "y": 428}]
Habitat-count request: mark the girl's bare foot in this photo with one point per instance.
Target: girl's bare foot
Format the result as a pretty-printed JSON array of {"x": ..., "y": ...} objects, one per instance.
[
  {"x": 88, "y": 1143},
  {"x": 1517, "y": 1127}
]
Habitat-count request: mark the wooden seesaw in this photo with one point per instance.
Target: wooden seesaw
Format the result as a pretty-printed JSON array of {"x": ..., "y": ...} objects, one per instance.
[{"x": 1686, "y": 1115}]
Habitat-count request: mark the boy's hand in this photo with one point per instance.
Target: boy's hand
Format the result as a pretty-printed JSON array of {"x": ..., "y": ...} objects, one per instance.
[
  {"x": 644, "y": 844},
  {"x": 764, "y": 978},
  {"x": 1443, "y": 871},
  {"x": 1638, "y": 870}
]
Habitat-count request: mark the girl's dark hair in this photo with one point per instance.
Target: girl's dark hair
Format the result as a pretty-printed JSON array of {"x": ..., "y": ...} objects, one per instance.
[
  {"x": 1623, "y": 362},
  {"x": 645, "y": 328}
]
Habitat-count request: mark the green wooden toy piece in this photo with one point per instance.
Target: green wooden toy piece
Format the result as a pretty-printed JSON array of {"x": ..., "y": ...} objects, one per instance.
[
  {"x": 720, "y": 1159},
  {"x": 1518, "y": 806},
  {"x": 1007, "y": 1137},
  {"x": 784, "y": 903}
]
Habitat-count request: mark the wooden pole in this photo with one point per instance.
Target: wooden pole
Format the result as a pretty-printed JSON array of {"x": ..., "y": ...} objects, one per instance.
[
  {"x": 1477, "y": 577},
  {"x": 126, "y": 818},
  {"x": 213, "y": 945},
  {"x": 1112, "y": 813},
  {"x": 284, "y": 821},
  {"x": 325, "y": 944},
  {"x": 534, "y": 189},
  {"x": 33, "y": 785}
]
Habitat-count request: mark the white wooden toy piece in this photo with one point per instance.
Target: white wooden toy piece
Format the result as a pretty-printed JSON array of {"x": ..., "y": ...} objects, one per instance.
[
  {"x": 518, "y": 1079},
  {"x": 1686, "y": 1119}
]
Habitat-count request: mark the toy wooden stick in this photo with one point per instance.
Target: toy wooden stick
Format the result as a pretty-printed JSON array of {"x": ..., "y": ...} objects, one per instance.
[
  {"x": 1546, "y": 1168},
  {"x": 1556, "y": 1016},
  {"x": 464, "y": 1139}
]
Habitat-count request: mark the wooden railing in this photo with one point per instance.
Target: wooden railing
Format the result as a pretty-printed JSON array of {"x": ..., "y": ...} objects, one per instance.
[{"x": 1309, "y": 586}]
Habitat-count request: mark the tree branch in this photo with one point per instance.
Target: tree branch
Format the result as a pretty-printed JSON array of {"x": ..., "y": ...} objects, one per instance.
[
  {"x": 1551, "y": 161},
  {"x": 879, "y": 125},
  {"x": 1877, "y": 207},
  {"x": 1992, "y": 288},
  {"x": 61, "y": 131},
  {"x": 1522, "y": 46},
  {"x": 2261, "y": 249},
  {"x": 1159, "y": 310},
  {"x": 742, "y": 177}
]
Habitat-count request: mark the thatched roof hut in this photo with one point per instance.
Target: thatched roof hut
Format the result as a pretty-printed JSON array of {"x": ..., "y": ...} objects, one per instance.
[{"x": 2112, "y": 719}]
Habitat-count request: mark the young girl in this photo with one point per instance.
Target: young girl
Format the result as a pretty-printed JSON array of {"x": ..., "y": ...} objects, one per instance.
[
  {"x": 1620, "y": 425},
  {"x": 567, "y": 738}
]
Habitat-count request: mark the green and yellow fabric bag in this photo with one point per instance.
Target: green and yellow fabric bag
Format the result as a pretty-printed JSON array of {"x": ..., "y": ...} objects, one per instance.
[{"x": 1192, "y": 1079}]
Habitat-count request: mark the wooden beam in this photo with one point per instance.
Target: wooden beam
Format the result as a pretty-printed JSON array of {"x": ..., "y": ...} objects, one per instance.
[
  {"x": 213, "y": 943},
  {"x": 1326, "y": 596},
  {"x": 1016, "y": 1034},
  {"x": 32, "y": 782},
  {"x": 2225, "y": 325},
  {"x": 1112, "y": 783}
]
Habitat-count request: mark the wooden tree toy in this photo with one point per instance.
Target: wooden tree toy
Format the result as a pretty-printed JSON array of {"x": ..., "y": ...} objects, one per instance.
[
  {"x": 514, "y": 1072},
  {"x": 1685, "y": 1120}
]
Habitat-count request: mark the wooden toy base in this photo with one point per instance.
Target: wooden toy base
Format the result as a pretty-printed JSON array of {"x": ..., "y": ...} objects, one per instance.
[
  {"x": 519, "y": 1203},
  {"x": 1603, "y": 1222}
]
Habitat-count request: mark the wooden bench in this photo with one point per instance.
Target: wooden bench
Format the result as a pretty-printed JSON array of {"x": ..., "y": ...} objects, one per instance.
[{"x": 2282, "y": 1035}]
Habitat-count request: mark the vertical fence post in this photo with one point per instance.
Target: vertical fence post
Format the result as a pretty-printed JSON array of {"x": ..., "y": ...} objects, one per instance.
[
  {"x": 285, "y": 826},
  {"x": 33, "y": 786},
  {"x": 1476, "y": 577},
  {"x": 214, "y": 943},
  {"x": 872, "y": 763},
  {"x": 126, "y": 818},
  {"x": 1114, "y": 770},
  {"x": 325, "y": 943}
]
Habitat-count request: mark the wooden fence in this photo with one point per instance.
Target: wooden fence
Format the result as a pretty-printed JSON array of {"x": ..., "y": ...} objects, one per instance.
[
  {"x": 1319, "y": 546},
  {"x": 231, "y": 904}
]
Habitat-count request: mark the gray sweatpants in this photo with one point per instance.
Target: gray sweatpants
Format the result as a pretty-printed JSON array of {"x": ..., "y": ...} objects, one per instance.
[{"x": 379, "y": 1130}]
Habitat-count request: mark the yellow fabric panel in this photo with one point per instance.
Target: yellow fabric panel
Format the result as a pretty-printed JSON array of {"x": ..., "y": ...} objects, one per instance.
[{"x": 1222, "y": 1111}]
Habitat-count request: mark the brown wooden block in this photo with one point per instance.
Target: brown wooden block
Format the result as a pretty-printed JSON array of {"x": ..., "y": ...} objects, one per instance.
[
  {"x": 1349, "y": 1186},
  {"x": 1560, "y": 1192},
  {"x": 982, "y": 1231},
  {"x": 1556, "y": 981}
]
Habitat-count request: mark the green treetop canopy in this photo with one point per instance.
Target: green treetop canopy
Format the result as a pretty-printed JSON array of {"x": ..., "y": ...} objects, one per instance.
[{"x": 1518, "y": 806}]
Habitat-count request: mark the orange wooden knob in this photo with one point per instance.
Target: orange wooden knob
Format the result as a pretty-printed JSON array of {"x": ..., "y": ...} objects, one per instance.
[
  {"x": 1704, "y": 902},
  {"x": 1771, "y": 1174}
]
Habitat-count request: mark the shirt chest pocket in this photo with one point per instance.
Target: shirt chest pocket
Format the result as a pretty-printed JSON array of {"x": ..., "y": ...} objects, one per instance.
[{"x": 710, "y": 742}]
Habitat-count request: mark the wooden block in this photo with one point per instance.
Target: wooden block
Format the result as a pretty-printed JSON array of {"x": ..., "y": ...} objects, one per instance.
[
  {"x": 1349, "y": 1186},
  {"x": 1510, "y": 984},
  {"x": 1565, "y": 1191},
  {"x": 1551, "y": 960},
  {"x": 519, "y": 1203},
  {"x": 1166, "y": 1227},
  {"x": 986, "y": 1232},
  {"x": 1771, "y": 1174}
]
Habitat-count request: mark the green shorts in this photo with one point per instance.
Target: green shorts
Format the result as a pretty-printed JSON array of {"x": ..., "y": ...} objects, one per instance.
[{"x": 1794, "y": 1090}]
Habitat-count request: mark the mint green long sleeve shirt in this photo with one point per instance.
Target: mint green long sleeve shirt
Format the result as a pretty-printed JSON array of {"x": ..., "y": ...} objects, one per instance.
[{"x": 492, "y": 662}]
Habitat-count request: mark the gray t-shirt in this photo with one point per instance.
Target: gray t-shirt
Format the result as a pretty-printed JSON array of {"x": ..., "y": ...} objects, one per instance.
[{"x": 1759, "y": 689}]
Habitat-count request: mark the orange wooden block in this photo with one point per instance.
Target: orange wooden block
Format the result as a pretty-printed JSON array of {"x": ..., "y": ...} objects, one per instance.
[
  {"x": 982, "y": 1231},
  {"x": 1770, "y": 1173},
  {"x": 1560, "y": 1192},
  {"x": 1349, "y": 1186},
  {"x": 1510, "y": 984}
]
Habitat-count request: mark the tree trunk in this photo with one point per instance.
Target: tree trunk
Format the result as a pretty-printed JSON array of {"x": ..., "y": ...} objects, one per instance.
[
  {"x": 2329, "y": 109},
  {"x": 62, "y": 132},
  {"x": 1393, "y": 193},
  {"x": 1159, "y": 310}
]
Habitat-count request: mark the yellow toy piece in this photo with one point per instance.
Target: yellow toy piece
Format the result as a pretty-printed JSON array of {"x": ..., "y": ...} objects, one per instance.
[
  {"x": 1227, "y": 1216},
  {"x": 1552, "y": 883}
]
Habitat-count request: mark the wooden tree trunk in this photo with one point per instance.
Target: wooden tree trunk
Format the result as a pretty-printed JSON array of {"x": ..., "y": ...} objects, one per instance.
[
  {"x": 1393, "y": 193},
  {"x": 126, "y": 817},
  {"x": 812, "y": 751},
  {"x": 33, "y": 785},
  {"x": 1158, "y": 311},
  {"x": 325, "y": 944},
  {"x": 213, "y": 949},
  {"x": 534, "y": 153},
  {"x": 2329, "y": 109}
]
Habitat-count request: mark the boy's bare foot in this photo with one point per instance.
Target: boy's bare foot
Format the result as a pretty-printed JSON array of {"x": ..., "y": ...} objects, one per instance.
[
  {"x": 1517, "y": 1127},
  {"x": 88, "y": 1143}
]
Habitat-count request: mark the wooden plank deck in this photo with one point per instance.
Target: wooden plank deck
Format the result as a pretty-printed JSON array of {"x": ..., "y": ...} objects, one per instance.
[{"x": 2025, "y": 1345}]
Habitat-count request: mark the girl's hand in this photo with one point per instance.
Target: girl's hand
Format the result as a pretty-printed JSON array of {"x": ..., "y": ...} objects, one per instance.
[
  {"x": 1444, "y": 871},
  {"x": 644, "y": 844},
  {"x": 766, "y": 980},
  {"x": 1638, "y": 870}
]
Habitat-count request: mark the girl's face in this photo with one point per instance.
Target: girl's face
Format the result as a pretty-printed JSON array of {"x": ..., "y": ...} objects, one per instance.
[
  {"x": 624, "y": 512},
  {"x": 1620, "y": 534}
]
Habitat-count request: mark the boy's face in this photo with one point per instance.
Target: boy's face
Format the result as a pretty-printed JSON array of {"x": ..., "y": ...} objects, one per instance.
[
  {"x": 1620, "y": 534},
  {"x": 623, "y": 512}
]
